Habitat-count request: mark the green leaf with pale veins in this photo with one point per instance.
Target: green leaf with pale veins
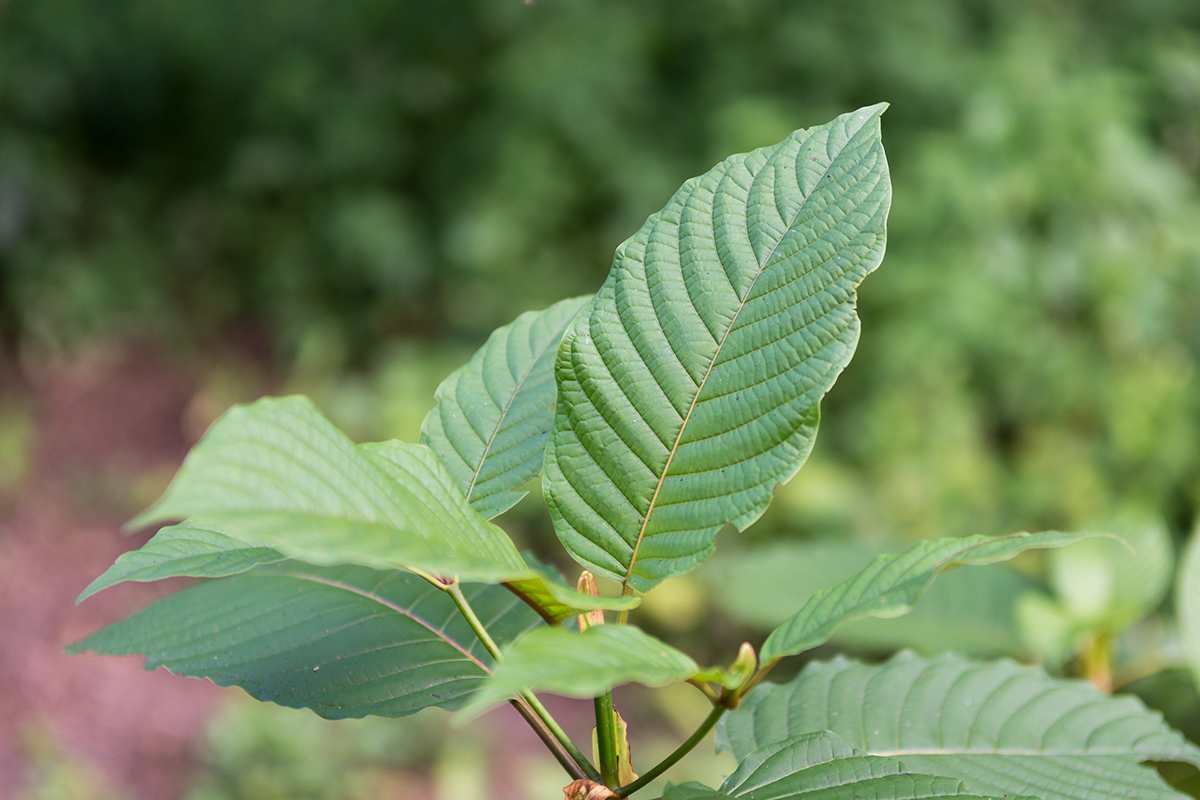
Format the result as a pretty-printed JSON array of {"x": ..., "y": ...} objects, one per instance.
[
  {"x": 999, "y": 727},
  {"x": 344, "y": 641},
  {"x": 823, "y": 766},
  {"x": 584, "y": 664},
  {"x": 690, "y": 387},
  {"x": 492, "y": 416},
  {"x": 189, "y": 549},
  {"x": 892, "y": 584},
  {"x": 279, "y": 475}
]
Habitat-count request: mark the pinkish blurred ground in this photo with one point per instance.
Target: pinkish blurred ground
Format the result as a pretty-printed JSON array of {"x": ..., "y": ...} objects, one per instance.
[{"x": 99, "y": 422}]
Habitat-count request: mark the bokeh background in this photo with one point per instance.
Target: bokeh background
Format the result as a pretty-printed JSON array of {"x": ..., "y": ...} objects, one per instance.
[{"x": 202, "y": 201}]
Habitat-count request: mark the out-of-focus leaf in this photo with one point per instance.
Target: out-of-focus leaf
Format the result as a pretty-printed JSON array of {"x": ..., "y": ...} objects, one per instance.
[
  {"x": 186, "y": 549},
  {"x": 823, "y": 766},
  {"x": 1187, "y": 603},
  {"x": 999, "y": 727},
  {"x": 491, "y": 417},
  {"x": 892, "y": 584},
  {"x": 584, "y": 664},
  {"x": 1110, "y": 583},
  {"x": 343, "y": 641},
  {"x": 690, "y": 389},
  {"x": 964, "y": 610}
]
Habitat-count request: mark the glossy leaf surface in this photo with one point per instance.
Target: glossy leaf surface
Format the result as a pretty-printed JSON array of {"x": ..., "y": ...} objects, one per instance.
[
  {"x": 342, "y": 641},
  {"x": 492, "y": 416},
  {"x": 584, "y": 664},
  {"x": 999, "y": 727},
  {"x": 690, "y": 387},
  {"x": 892, "y": 584},
  {"x": 822, "y": 766}
]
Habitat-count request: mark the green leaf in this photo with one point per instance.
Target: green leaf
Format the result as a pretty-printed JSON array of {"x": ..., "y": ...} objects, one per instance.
[
  {"x": 492, "y": 416},
  {"x": 1187, "y": 603},
  {"x": 823, "y": 766},
  {"x": 277, "y": 474},
  {"x": 964, "y": 610},
  {"x": 584, "y": 664},
  {"x": 188, "y": 549},
  {"x": 892, "y": 584},
  {"x": 689, "y": 389},
  {"x": 1108, "y": 583},
  {"x": 344, "y": 642},
  {"x": 999, "y": 727}
]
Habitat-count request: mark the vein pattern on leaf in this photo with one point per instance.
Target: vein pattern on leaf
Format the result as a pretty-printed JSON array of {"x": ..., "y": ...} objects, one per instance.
[
  {"x": 492, "y": 416},
  {"x": 689, "y": 388},
  {"x": 1000, "y": 727},
  {"x": 344, "y": 642}
]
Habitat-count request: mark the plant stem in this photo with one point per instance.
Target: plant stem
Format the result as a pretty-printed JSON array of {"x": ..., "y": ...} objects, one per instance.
[
  {"x": 552, "y": 744},
  {"x": 582, "y": 765},
  {"x": 606, "y": 741},
  {"x": 623, "y": 614},
  {"x": 679, "y": 753}
]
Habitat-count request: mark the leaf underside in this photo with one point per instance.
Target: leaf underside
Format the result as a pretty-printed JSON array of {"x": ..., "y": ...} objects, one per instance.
[
  {"x": 583, "y": 664},
  {"x": 893, "y": 583},
  {"x": 344, "y": 642},
  {"x": 999, "y": 727},
  {"x": 823, "y": 766},
  {"x": 689, "y": 388},
  {"x": 491, "y": 417}
]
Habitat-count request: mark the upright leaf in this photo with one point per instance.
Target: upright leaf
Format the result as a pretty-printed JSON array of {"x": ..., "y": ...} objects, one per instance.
[
  {"x": 344, "y": 642},
  {"x": 584, "y": 664},
  {"x": 491, "y": 417},
  {"x": 892, "y": 584},
  {"x": 689, "y": 389},
  {"x": 823, "y": 766},
  {"x": 999, "y": 727}
]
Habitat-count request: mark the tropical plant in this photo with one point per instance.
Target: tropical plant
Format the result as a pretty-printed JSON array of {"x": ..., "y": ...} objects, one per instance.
[{"x": 367, "y": 579}]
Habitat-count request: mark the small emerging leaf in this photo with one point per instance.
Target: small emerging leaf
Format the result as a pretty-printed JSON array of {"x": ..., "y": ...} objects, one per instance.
[
  {"x": 892, "y": 584},
  {"x": 491, "y": 417},
  {"x": 583, "y": 664}
]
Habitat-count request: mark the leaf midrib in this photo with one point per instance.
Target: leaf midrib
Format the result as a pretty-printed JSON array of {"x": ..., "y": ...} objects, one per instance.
[{"x": 716, "y": 354}]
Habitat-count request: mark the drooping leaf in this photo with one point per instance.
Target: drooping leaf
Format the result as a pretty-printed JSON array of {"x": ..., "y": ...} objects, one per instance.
[
  {"x": 491, "y": 417},
  {"x": 823, "y": 766},
  {"x": 892, "y": 584},
  {"x": 342, "y": 641},
  {"x": 968, "y": 611},
  {"x": 1187, "y": 603},
  {"x": 584, "y": 664},
  {"x": 1111, "y": 583},
  {"x": 277, "y": 474},
  {"x": 999, "y": 727},
  {"x": 183, "y": 550},
  {"x": 690, "y": 387}
]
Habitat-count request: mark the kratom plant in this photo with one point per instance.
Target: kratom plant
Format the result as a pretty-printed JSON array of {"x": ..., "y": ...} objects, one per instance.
[{"x": 367, "y": 579}]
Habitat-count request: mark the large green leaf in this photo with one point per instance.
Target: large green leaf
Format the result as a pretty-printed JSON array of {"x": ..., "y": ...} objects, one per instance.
[
  {"x": 822, "y": 766},
  {"x": 584, "y": 664},
  {"x": 492, "y": 416},
  {"x": 892, "y": 584},
  {"x": 689, "y": 389},
  {"x": 999, "y": 727},
  {"x": 1187, "y": 603},
  {"x": 189, "y": 550},
  {"x": 277, "y": 474},
  {"x": 344, "y": 641},
  {"x": 964, "y": 610}
]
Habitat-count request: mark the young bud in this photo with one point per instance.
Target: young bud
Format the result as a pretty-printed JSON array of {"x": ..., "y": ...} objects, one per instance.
[
  {"x": 587, "y": 585},
  {"x": 742, "y": 668}
]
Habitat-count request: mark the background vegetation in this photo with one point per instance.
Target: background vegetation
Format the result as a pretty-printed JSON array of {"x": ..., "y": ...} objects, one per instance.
[{"x": 372, "y": 186}]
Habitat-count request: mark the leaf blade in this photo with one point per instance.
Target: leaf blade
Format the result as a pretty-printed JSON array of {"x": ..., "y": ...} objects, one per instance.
[
  {"x": 492, "y": 416},
  {"x": 892, "y": 583},
  {"x": 724, "y": 321}
]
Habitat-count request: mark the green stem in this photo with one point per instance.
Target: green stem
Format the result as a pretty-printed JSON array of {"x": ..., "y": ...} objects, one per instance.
[
  {"x": 606, "y": 741},
  {"x": 679, "y": 753},
  {"x": 552, "y": 744},
  {"x": 584, "y": 767}
]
